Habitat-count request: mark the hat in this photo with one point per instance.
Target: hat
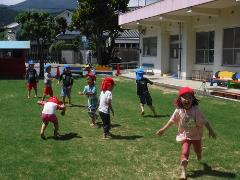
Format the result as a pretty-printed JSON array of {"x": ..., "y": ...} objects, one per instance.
[
  {"x": 66, "y": 66},
  {"x": 47, "y": 66},
  {"x": 139, "y": 73},
  {"x": 107, "y": 83},
  {"x": 54, "y": 100},
  {"x": 185, "y": 90},
  {"x": 31, "y": 62}
]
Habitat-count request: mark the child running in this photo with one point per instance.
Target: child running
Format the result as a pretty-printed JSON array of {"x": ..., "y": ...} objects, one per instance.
[
  {"x": 142, "y": 91},
  {"x": 47, "y": 82},
  {"x": 190, "y": 122},
  {"x": 48, "y": 114},
  {"x": 67, "y": 82},
  {"x": 31, "y": 78},
  {"x": 105, "y": 105},
  {"x": 91, "y": 92}
]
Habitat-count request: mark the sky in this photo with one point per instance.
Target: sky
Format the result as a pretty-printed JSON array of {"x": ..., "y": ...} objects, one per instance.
[{"x": 131, "y": 2}]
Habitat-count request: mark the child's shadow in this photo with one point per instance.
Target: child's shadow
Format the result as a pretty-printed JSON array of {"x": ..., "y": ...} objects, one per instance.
[
  {"x": 126, "y": 137},
  {"x": 156, "y": 116},
  {"x": 76, "y": 105},
  {"x": 99, "y": 125},
  {"x": 65, "y": 137},
  {"x": 207, "y": 170}
]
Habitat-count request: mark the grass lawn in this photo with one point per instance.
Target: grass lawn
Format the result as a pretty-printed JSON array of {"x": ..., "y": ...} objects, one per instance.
[{"x": 135, "y": 152}]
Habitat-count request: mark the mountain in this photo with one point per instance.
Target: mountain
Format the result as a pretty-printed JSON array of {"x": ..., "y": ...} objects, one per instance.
[
  {"x": 7, "y": 15},
  {"x": 48, "y": 5}
]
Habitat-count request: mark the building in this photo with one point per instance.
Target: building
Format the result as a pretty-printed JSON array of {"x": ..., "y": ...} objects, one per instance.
[
  {"x": 12, "y": 58},
  {"x": 186, "y": 37}
]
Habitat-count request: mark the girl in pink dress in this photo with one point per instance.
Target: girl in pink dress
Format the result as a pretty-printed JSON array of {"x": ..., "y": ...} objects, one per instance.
[{"x": 190, "y": 122}]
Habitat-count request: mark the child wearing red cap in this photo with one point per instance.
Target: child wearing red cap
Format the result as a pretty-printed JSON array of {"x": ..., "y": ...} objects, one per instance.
[
  {"x": 48, "y": 114},
  {"x": 31, "y": 78},
  {"x": 105, "y": 105},
  {"x": 190, "y": 122}
]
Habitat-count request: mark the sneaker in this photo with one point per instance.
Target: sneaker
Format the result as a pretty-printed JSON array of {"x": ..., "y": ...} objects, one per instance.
[
  {"x": 92, "y": 125},
  {"x": 142, "y": 113},
  {"x": 105, "y": 137},
  {"x": 183, "y": 173},
  {"x": 56, "y": 136}
]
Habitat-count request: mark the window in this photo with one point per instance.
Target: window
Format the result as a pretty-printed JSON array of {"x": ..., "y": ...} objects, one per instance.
[
  {"x": 205, "y": 47},
  {"x": 231, "y": 46},
  {"x": 150, "y": 46},
  {"x": 174, "y": 46}
]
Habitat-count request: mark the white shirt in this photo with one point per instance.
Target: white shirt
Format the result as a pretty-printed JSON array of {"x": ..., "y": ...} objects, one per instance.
[
  {"x": 49, "y": 108},
  {"x": 105, "y": 97}
]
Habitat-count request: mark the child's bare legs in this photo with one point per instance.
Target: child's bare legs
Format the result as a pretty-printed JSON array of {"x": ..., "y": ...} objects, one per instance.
[
  {"x": 29, "y": 92},
  {"x": 43, "y": 97},
  {"x": 55, "y": 129},
  {"x": 183, "y": 168},
  {"x": 63, "y": 99},
  {"x": 35, "y": 90},
  {"x": 69, "y": 100},
  {"x": 142, "y": 108},
  {"x": 197, "y": 145},
  {"x": 44, "y": 126},
  {"x": 184, "y": 158}
]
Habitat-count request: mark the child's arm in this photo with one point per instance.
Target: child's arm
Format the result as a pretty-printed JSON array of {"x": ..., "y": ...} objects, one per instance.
[
  {"x": 110, "y": 107},
  {"x": 162, "y": 130},
  {"x": 211, "y": 133},
  {"x": 41, "y": 103}
]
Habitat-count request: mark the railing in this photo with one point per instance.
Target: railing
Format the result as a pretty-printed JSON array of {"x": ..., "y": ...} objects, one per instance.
[
  {"x": 125, "y": 65},
  {"x": 201, "y": 75}
]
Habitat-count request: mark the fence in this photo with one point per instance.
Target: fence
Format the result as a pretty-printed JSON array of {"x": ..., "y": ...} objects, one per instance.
[
  {"x": 125, "y": 65},
  {"x": 201, "y": 75}
]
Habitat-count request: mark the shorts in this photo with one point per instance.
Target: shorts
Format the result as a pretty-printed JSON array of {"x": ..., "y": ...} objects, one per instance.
[
  {"x": 145, "y": 98},
  {"x": 92, "y": 109},
  {"x": 65, "y": 91},
  {"x": 32, "y": 85},
  {"x": 49, "y": 118},
  {"x": 47, "y": 90}
]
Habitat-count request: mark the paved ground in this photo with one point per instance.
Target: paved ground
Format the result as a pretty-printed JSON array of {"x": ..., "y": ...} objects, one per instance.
[{"x": 174, "y": 83}]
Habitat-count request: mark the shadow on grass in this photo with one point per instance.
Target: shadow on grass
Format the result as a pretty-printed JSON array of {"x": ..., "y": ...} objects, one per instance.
[
  {"x": 207, "y": 170},
  {"x": 65, "y": 137},
  {"x": 157, "y": 116},
  {"x": 76, "y": 105},
  {"x": 99, "y": 125},
  {"x": 126, "y": 137}
]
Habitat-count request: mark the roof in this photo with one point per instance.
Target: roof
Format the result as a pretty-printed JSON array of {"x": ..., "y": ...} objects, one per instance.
[
  {"x": 12, "y": 25},
  {"x": 128, "y": 34},
  {"x": 14, "y": 44}
]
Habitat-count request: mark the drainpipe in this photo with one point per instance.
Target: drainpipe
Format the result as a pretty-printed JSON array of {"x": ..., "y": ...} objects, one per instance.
[{"x": 180, "y": 51}]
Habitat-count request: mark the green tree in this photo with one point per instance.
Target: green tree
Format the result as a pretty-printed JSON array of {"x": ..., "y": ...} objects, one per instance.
[
  {"x": 40, "y": 27},
  {"x": 98, "y": 20}
]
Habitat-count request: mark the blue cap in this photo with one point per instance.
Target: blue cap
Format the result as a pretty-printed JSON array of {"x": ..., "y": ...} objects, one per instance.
[
  {"x": 31, "y": 62},
  {"x": 139, "y": 73},
  {"x": 47, "y": 66}
]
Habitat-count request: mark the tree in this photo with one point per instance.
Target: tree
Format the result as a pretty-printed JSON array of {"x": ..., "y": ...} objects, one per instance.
[
  {"x": 42, "y": 28},
  {"x": 98, "y": 20}
]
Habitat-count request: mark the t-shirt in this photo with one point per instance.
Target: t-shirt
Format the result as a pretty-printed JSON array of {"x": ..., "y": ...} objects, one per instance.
[
  {"x": 67, "y": 79},
  {"x": 31, "y": 75},
  {"x": 92, "y": 100},
  {"x": 105, "y": 97},
  {"x": 50, "y": 108},
  {"x": 47, "y": 79},
  {"x": 142, "y": 87},
  {"x": 190, "y": 123}
]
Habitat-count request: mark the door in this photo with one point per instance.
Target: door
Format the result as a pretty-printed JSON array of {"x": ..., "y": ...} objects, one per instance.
[{"x": 174, "y": 54}]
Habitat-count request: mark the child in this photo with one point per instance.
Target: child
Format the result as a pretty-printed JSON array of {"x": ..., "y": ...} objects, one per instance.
[
  {"x": 31, "y": 78},
  {"x": 48, "y": 114},
  {"x": 190, "y": 122},
  {"x": 105, "y": 105},
  {"x": 47, "y": 82},
  {"x": 67, "y": 83},
  {"x": 142, "y": 91},
  {"x": 91, "y": 92}
]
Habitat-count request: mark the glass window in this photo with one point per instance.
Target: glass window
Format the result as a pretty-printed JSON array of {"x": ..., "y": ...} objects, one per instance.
[
  {"x": 150, "y": 46},
  {"x": 231, "y": 46},
  {"x": 205, "y": 47}
]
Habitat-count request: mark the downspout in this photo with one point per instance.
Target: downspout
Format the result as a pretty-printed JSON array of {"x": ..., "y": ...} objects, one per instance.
[{"x": 180, "y": 51}]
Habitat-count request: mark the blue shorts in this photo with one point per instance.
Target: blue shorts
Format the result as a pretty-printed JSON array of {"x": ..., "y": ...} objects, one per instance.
[
  {"x": 145, "y": 98},
  {"x": 66, "y": 91}
]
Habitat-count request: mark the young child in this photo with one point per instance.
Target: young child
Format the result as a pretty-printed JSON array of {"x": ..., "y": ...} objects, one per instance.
[
  {"x": 67, "y": 82},
  {"x": 142, "y": 91},
  {"x": 190, "y": 122},
  {"x": 91, "y": 92},
  {"x": 105, "y": 105},
  {"x": 48, "y": 114},
  {"x": 47, "y": 82},
  {"x": 31, "y": 78}
]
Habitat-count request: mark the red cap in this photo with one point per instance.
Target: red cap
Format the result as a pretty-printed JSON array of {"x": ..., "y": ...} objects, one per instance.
[
  {"x": 185, "y": 90},
  {"x": 54, "y": 100}
]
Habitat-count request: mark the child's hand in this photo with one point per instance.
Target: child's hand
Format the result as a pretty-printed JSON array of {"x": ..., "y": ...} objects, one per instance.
[
  {"x": 160, "y": 132},
  {"x": 81, "y": 93}
]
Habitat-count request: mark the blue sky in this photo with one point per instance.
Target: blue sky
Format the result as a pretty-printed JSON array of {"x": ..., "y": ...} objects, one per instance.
[{"x": 131, "y": 2}]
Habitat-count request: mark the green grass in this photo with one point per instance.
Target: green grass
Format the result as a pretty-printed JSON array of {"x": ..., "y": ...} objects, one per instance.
[{"x": 134, "y": 153}]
